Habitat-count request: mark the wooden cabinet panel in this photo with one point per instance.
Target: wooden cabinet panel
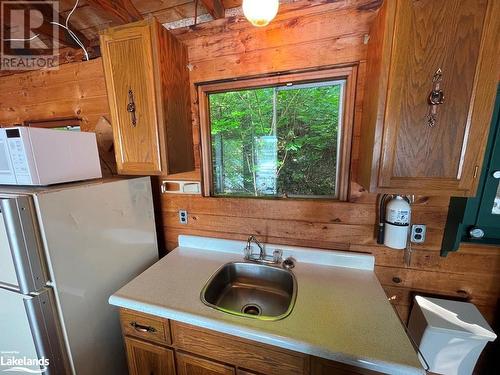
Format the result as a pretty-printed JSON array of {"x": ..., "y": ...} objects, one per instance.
[
  {"x": 191, "y": 365},
  {"x": 410, "y": 42},
  {"x": 245, "y": 372},
  {"x": 145, "y": 326},
  {"x": 324, "y": 367},
  {"x": 128, "y": 65},
  {"x": 222, "y": 354},
  {"x": 430, "y": 35},
  {"x": 148, "y": 91},
  {"x": 149, "y": 359},
  {"x": 239, "y": 352}
]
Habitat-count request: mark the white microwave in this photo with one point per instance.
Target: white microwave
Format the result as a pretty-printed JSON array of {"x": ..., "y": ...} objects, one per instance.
[{"x": 37, "y": 156}]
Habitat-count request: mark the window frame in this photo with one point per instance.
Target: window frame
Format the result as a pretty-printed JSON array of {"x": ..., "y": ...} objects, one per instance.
[{"x": 347, "y": 73}]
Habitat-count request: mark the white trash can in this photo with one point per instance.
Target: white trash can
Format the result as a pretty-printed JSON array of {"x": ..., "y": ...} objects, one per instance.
[{"x": 449, "y": 334}]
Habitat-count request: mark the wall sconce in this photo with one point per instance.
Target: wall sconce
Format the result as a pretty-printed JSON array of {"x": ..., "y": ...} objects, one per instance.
[{"x": 260, "y": 12}]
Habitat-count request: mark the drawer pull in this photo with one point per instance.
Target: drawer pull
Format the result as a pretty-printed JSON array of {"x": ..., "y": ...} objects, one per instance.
[{"x": 141, "y": 328}]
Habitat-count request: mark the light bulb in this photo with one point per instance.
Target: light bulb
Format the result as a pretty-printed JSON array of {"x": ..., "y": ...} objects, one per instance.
[{"x": 260, "y": 12}]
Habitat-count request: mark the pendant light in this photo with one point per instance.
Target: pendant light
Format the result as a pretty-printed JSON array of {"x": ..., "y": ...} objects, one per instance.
[{"x": 260, "y": 12}]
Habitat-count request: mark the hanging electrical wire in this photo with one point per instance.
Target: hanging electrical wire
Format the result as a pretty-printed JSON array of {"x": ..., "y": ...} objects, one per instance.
[
  {"x": 70, "y": 32},
  {"x": 195, "y": 12}
]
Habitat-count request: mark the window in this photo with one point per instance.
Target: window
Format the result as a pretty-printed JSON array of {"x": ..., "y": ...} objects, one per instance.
[{"x": 286, "y": 136}]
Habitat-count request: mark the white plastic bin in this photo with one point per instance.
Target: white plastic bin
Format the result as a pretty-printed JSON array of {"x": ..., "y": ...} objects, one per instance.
[{"x": 450, "y": 334}]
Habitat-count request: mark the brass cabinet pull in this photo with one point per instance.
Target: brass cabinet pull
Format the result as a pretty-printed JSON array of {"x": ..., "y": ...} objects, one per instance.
[
  {"x": 141, "y": 328},
  {"x": 436, "y": 98},
  {"x": 131, "y": 107}
]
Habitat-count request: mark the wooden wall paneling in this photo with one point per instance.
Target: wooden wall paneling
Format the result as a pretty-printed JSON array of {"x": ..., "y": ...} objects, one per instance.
[
  {"x": 73, "y": 90},
  {"x": 320, "y": 211},
  {"x": 298, "y": 30},
  {"x": 286, "y": 58}
]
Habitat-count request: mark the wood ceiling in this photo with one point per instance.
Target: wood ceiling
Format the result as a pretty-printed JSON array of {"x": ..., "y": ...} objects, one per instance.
[{"x": 91, "y": 16}]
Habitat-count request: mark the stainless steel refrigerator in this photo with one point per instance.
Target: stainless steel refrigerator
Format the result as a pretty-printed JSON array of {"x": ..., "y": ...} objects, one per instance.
[{"x": 63, "y": 251}]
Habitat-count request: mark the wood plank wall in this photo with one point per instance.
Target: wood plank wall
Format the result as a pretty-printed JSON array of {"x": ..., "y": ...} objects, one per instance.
[
  {"x": 73, "y": 90},
  {"x": 299, "y": 38}
]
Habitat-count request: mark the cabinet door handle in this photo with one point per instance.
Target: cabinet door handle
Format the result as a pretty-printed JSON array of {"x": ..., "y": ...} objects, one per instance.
[
  {"x": 140, "y": 328},
  {"x": 131, "y": 107},
  {"x": 496, "y": 175},
  {"x": 436, "y": 98}
]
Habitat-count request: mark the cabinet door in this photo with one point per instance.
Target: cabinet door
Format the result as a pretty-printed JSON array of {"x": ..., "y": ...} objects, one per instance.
[
  {"x": 190, "y": 365},
  {"x": 128, "y": 66},
  {"x": 321, "y": 366},
  {"x": 429, "y": 35},
  {"x": 148, "y": 359}
]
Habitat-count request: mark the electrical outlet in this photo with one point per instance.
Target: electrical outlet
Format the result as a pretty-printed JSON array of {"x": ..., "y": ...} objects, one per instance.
[
  {"x": 183, "y": 217},
  {"x": 418, "y": 233}
]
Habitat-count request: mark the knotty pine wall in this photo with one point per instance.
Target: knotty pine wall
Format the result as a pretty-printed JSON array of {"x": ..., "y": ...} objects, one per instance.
[{"x": 328, "y": 34}]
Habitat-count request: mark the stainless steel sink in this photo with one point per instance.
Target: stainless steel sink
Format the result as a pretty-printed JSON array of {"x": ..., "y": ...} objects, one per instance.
[{"x": 252, "y": 290}]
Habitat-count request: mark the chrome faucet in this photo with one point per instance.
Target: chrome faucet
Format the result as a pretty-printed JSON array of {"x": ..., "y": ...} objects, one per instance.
[{"x": 276, "y": 258}]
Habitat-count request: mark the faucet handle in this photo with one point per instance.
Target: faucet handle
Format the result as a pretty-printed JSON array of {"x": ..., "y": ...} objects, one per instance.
[
  {"x": 247, "y": 251},
  {"x": 277, "y": 255}
]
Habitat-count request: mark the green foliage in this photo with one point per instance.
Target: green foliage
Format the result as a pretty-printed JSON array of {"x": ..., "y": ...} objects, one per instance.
[{"x": 305, "y": 120}]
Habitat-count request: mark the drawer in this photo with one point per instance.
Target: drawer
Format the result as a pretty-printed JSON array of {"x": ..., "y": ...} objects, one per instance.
[
  {"x": 239, "y": 352},
  {"x": 145, "y": 326}
]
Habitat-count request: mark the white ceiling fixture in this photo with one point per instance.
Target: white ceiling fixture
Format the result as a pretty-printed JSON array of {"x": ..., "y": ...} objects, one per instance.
[{"x": 260, "y": 12}]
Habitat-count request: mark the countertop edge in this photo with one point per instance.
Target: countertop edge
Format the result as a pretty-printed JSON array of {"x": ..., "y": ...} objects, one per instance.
[{"x": 262, "y": 337}]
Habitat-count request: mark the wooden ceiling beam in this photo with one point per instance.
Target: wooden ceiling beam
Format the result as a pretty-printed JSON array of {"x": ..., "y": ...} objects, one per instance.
[
  {"x": 215, "y": 8},
  {"x": 46, "y": 28},
  {"x": 119, "y": 11}
]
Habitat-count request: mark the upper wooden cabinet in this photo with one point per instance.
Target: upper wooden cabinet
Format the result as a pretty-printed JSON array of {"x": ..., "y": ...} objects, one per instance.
[
  {"x": 417, "y": 47},
  {"x": 148, "y": 90}
]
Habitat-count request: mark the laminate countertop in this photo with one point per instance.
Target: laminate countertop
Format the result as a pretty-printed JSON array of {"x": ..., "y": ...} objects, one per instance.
[{"x": 341, "y": 312}]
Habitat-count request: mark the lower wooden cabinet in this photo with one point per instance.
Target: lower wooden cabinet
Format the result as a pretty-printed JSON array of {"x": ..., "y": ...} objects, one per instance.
[
  {"x": 324, "y": 367},
  {"x": 157, "y": 346},
  {"x": 191, "y": 365},
  {"x": 149, "y": 359}
]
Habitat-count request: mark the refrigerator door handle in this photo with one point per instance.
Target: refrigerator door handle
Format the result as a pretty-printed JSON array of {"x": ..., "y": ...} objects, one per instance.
[
  {"x": 47, "y": 334},
  {"x": 25, "y": 243}
]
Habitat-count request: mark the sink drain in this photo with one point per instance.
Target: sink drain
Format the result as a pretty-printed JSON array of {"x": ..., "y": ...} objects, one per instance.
[{"x": 251, "y": 309}]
